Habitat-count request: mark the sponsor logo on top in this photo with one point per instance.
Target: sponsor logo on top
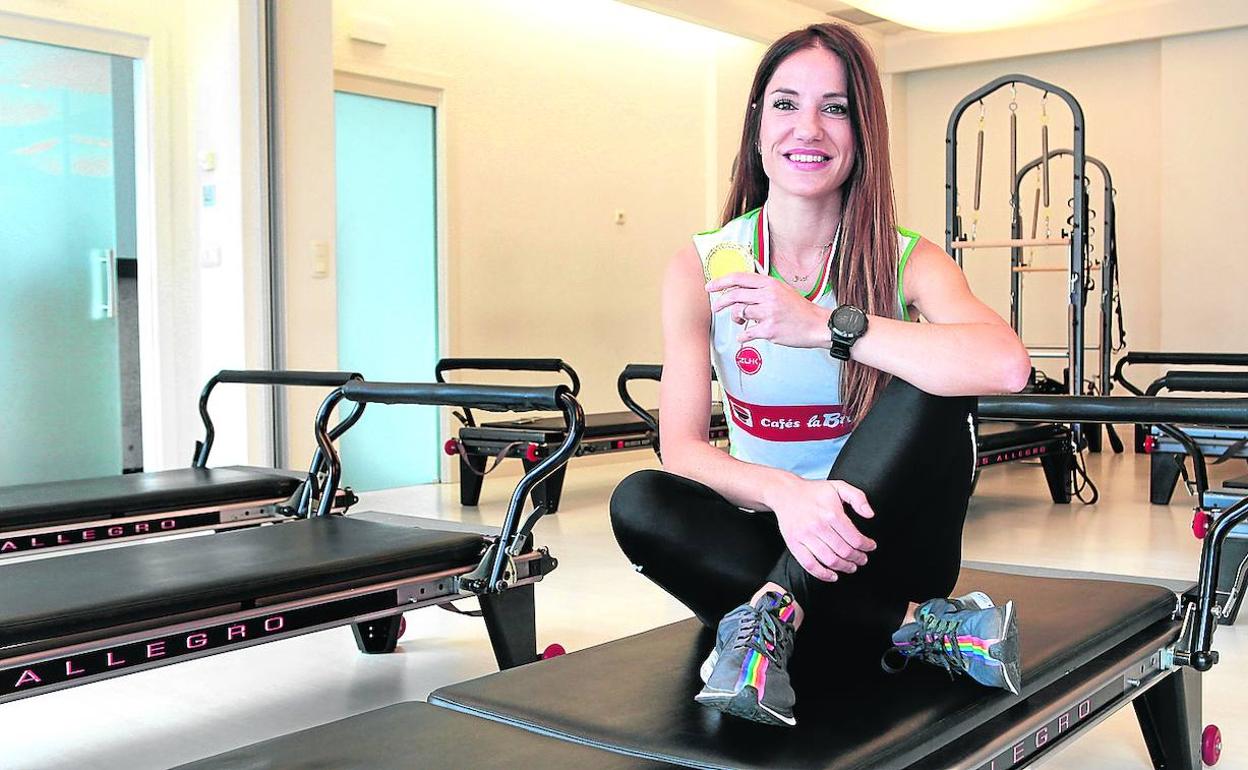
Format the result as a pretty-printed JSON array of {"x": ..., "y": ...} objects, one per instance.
[{"x": 749, "y": 360}]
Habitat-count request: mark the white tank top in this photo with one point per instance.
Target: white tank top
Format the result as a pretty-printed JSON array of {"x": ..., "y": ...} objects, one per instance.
[{"x": 783, "y": 404}]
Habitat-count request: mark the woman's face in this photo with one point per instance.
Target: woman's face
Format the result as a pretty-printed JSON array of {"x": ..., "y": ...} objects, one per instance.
[{"x": 805, "y": 135}]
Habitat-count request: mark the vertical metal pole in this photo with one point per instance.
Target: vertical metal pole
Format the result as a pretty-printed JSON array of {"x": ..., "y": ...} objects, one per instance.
[{"x": 1107, "y": 287}]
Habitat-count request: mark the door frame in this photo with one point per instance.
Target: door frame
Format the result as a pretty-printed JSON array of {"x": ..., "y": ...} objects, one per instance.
[
  {"x": 430, "y": 91},
  {"x": 149, "y": 43}
]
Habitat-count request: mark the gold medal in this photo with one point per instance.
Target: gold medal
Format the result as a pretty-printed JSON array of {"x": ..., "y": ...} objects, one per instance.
[{"x": 727, "y": 258}]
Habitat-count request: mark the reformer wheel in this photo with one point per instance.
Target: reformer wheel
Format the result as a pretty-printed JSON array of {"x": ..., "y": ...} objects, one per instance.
[
  {"x": 1150, "y": 444},
  {"x": 402, "y": 626},
  {"x": 1201, "y": 522},
  {"x": 553, "y": 651},
  {"x": 530, "y": 453},
  {"x": 451, "y": 447},
  {"x": 1211, "y": 745}
]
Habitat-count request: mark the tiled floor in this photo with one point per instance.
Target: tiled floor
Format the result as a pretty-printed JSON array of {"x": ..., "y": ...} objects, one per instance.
[{"x": 183, "y": 712}]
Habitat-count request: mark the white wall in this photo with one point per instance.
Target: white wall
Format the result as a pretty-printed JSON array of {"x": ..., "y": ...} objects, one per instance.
[{"x": 1203, "y": 158}]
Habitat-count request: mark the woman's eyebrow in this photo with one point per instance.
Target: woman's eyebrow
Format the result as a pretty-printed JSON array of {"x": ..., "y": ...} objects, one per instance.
[{"x": 828, "y": 95}]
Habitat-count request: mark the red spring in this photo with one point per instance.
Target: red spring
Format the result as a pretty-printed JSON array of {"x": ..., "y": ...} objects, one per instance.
[
  {"x": 530, "y": 453},
  {"x": 1211, "y": 745},
  {"x": 1150, "y": 444},
  {"x": 555, "y": 650},
  {"x": 451, "y": 447},
  {"x": 1201, "y": 522}
]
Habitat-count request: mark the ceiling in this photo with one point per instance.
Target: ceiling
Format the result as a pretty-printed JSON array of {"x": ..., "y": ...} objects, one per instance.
[{"x": 847, "y": 12}]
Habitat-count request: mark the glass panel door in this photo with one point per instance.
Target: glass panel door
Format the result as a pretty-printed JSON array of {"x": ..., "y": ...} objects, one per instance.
[
  {"x": 62, "y": 154},
  {"x": 387, "y": 281}
]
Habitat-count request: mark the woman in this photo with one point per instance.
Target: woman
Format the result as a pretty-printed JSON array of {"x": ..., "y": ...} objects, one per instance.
[{"x": 806, "y": 336}]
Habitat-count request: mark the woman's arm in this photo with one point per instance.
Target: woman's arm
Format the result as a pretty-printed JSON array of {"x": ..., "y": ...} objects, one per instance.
[
  {"x": 965, "y": 349},
  {"x": 812, "y": 514}
]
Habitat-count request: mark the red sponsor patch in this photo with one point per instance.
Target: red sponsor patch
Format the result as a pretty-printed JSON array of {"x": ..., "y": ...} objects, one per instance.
[
  {"x": 749, "y": 360},
  {"x": 813, "y": 422}
]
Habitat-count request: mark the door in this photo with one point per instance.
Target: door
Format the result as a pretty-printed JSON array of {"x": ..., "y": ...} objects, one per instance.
[
  {"x": 66, "y": 222},
  {"x": 387, "y": 281}
]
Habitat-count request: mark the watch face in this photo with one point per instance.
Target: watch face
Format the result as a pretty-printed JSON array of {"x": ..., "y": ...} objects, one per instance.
[{"x": 849, "y": 320}]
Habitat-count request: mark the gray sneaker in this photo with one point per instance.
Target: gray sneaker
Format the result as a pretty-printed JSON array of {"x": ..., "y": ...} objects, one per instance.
[
  {"x": 966, "y": 635},
  {"x": 746, "y": 675}
]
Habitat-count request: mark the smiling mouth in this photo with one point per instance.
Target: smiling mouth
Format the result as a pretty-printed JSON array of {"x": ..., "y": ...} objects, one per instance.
[{"x": 805, "y": 157}]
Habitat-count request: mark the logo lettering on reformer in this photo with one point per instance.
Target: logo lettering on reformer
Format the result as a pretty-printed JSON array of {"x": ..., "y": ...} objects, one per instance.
[
  {"x": 134, "y": 653},
  {"x": 1016, "y": 454},
  {"x": 1027, "y": 747},
  {"x": 109, "y": 532}
]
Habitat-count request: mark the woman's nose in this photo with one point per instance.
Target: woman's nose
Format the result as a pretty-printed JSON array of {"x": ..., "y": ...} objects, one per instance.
[{"x": 808, "y": 126}]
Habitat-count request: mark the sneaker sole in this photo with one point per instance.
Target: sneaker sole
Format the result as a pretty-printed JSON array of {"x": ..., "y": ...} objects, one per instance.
[
  {"x": 743, "y": 704},
  {"x": 1009, "y": 667}
]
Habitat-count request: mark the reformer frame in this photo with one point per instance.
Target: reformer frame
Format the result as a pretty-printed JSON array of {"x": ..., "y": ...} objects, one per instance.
[{"x": 142, "y": 505}]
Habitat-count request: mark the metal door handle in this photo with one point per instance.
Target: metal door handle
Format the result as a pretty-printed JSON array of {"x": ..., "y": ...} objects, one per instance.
[{"x": 108, "y": 261}]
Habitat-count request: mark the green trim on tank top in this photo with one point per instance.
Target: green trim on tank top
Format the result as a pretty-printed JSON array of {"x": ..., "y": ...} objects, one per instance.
[{"x": 901, "y": 269}]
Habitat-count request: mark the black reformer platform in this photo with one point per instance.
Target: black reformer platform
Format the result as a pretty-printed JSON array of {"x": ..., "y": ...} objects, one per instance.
[
  {"x": 533, "y": 438},
  {"x": 1088, "y": 648},
  {"x": 93, "y": 615},
  {"x": 82, "y": 512}
]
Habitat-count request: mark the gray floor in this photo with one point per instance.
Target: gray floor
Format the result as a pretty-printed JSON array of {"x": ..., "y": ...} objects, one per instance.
[{"x": 167, "y": 716}]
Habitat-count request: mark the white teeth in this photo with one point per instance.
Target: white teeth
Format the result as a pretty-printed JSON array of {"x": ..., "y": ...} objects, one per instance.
[{"x": 801, "y": 158}]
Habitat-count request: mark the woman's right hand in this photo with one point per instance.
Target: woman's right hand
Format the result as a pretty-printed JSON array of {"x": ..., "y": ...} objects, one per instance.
[{"x": 814, "y": 518}]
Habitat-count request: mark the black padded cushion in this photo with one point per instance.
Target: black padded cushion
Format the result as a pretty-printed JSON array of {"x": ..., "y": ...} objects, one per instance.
[
  {"x": 596, "y": 425},
  {"x": 636, "y": 694},
  {"x": 415, "y": 735},
  {"x": 82, "y": 592},
  {"x": 115, "y": 496},
  {"x": 997, "y": 435},
  {"x": 1239, "y": 482}
]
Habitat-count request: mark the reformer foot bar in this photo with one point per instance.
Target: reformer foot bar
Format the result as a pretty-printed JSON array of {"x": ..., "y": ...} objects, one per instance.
[
  {"x": 56, "y": 516},
  {"x": 996, "y": 441},
  {"x": 92, "y": 615},
  {"x": 1088, "y": 648},
  {"x": 480, "y": 447},
  {"x": 718, "y": 430},
  {"x": 1165, "y": 448}
]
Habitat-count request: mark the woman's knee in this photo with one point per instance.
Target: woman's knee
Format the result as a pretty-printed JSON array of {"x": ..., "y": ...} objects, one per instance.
[{"x": 636, "y": 508}]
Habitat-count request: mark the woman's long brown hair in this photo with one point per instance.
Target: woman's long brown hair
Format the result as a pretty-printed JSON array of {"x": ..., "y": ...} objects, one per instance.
[{"x": 867, "y": 275}]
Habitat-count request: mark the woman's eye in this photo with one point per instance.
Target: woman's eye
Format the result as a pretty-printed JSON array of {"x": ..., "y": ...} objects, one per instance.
[
  {"x": 784, "y": 104},
  {"x": 836, "y": 109}
]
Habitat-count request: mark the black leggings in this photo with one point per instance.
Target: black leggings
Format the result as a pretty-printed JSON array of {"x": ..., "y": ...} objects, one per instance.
[{"x": 912, "y": 455}]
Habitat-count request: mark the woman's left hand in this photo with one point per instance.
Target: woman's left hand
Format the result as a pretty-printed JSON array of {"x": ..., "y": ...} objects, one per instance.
[{"x": 770, "y": 310}]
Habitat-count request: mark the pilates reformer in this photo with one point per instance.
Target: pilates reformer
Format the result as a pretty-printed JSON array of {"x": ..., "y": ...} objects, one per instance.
[
  {"x": 1167, "y": 450},
  {"x": 1088, "y": 648},
  {"x": 481, "y": 448},
  {"x": 92, "y": 615},
  {"x": 1058, "y": 447},
  {"x": 55, "y": 516}
]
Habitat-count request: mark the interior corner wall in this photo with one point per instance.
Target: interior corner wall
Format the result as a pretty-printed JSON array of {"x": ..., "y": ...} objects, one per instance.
[
  {"x": 558, "y": 115},
  {"x": 1119, "y": 89},
  {"x": 305, "y": 129},
  {"x": 1204, "y": 191}
]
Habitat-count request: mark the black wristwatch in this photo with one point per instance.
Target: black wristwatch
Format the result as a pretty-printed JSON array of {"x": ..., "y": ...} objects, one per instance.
[{"x": 847, "y": 323}]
